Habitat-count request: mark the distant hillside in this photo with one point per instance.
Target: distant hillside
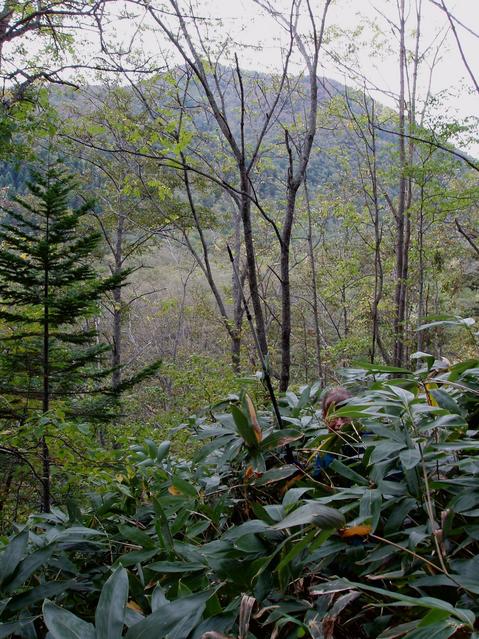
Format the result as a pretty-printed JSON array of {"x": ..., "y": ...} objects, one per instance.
[{"x": 332, "y": 136}]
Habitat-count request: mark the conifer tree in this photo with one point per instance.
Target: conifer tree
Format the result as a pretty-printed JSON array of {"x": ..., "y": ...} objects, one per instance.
[{"x": 49, "y": 358}]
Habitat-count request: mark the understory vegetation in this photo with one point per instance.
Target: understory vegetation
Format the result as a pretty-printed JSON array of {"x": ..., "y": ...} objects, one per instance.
[{"x": 235, "y": 542}]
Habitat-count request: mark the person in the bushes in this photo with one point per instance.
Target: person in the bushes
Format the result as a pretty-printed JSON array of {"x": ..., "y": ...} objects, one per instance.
[
  {"x": 329, "y": 403},
  {"x": 330, "y": 450}
]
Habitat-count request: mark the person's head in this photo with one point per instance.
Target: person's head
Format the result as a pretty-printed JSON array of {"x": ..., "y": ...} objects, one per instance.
[{"x": 329, "y": 403}]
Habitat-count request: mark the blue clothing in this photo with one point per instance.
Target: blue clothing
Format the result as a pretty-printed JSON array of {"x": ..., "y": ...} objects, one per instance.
[{"x": 323, "y": 461}]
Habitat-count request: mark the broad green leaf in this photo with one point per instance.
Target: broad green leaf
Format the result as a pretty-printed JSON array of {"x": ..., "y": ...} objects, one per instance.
[
  {"x": 464, "y": 501},
  {"x": 294, "y": 494},
  {"x": 447, "y": 421},
  {"x": 15, "y": 628},
  {"x": 444, "y": 400},
  {"x": 280, "y": 438},
  {"x": 12, "y": 555},
  {"x": 404, "y": 395},
  {"x": 251, "y": 526},
  {"x": 184, "y": 487},
  {"x": 425, "y": 356},
  {"x": 28, "y": 566},
  {"x": 162, "y": 526},
  {"x": 458, "y": 369},
  {"x": 349, "y": 473},
  {"x": 137, "y": 536},
  {"x": 27, "y": 598},
  {"x": 212, "y": 447},
  {"x": 175, "y": 619},
  {"x": 136, "y": 557},
  {"x": 398, "y": 631},
  {"x": 163, "y": 450},
  {"x": 379, "y": 368},
  {"x": 276, "y": 474},
  {"x": 448, "y": 321},
  {"x": 469, "y": 583},
  {"x": 385, "y": 450},
  {"x": 433, "y": 616},
  {"x": 176, "y": 566},
  {"x": 110, "y": 612},
  {"x": 410, "y": 458},
  {"x": 296, "y": 549},
  {"x": 312, "y": 513},
  {"x": 370, "y": 506},
  {"x": 158, "y": 598},
  {"x": 441, "y": 630},
  {"x": 244, "y": 427},
  {"x": 65, "y": 625},
  {"x": 398, "y": 514},
  {"x": 467, "y": 617},
  {"x": 354, "y": 411}
]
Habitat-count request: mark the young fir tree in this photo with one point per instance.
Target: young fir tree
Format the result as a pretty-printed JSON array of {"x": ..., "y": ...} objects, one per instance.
[{"x": 48, "y": 289}]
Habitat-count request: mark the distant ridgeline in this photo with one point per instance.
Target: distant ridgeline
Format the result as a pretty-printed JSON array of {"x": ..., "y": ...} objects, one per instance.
[{"x": 336, "y": 145}]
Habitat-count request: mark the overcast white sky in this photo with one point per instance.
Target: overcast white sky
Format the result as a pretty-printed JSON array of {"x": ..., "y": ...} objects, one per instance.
[{"x": 259, "y": 44}]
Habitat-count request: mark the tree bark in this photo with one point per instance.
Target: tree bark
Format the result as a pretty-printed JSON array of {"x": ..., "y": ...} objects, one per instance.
[
  {"x": 314, "y": 289},
  {"x": 295, "y": 179}
]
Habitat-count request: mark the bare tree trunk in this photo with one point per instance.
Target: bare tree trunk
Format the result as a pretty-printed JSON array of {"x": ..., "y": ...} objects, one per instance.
[
  {"x": 421, "y": 266},
  {"x": 286, "y": 292},
  {"x": 378, "y": 265},
  {"x": 233, "y": 328},
  {"x": 403, "y": 218},
  {"x": 314, "y": 289},
  {"x": 305, "y": 345},
  {"x": 237, "y": 283},
  {"x": 400, "y": 291},
  {"x": 345, "y": 311},
  {"x": 181, "y": 312},
  {"x": 295, "y": 179},
  {"x": 251, "y": 262}
]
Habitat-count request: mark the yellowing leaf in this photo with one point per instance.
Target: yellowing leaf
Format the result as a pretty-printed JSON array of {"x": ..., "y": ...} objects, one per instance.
[
  {"x": 248, "y": 472},
  {"x": 430, "y": 399},
  {"x": 174, "y": 491},
  {"x": 356, "y": 531},
  {"x": 253, "y": 418},
  {"x": 291, "y": 482}
]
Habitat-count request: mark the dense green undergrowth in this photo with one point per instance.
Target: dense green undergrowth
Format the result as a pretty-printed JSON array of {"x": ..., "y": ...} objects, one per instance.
[{"x": 235, "y": 542}]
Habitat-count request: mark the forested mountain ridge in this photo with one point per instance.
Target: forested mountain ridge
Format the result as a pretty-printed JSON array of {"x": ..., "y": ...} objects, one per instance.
[{"x": 324, "y": 166}]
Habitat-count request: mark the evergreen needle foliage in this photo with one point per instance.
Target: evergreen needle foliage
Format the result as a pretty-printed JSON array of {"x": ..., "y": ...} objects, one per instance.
[{"x": 51, "y": 358}]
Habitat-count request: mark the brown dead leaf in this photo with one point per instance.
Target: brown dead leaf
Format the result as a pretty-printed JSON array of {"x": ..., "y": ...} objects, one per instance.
[
  {"x": 132, "y": 605},
  {"x": 291, "y": 482}
]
